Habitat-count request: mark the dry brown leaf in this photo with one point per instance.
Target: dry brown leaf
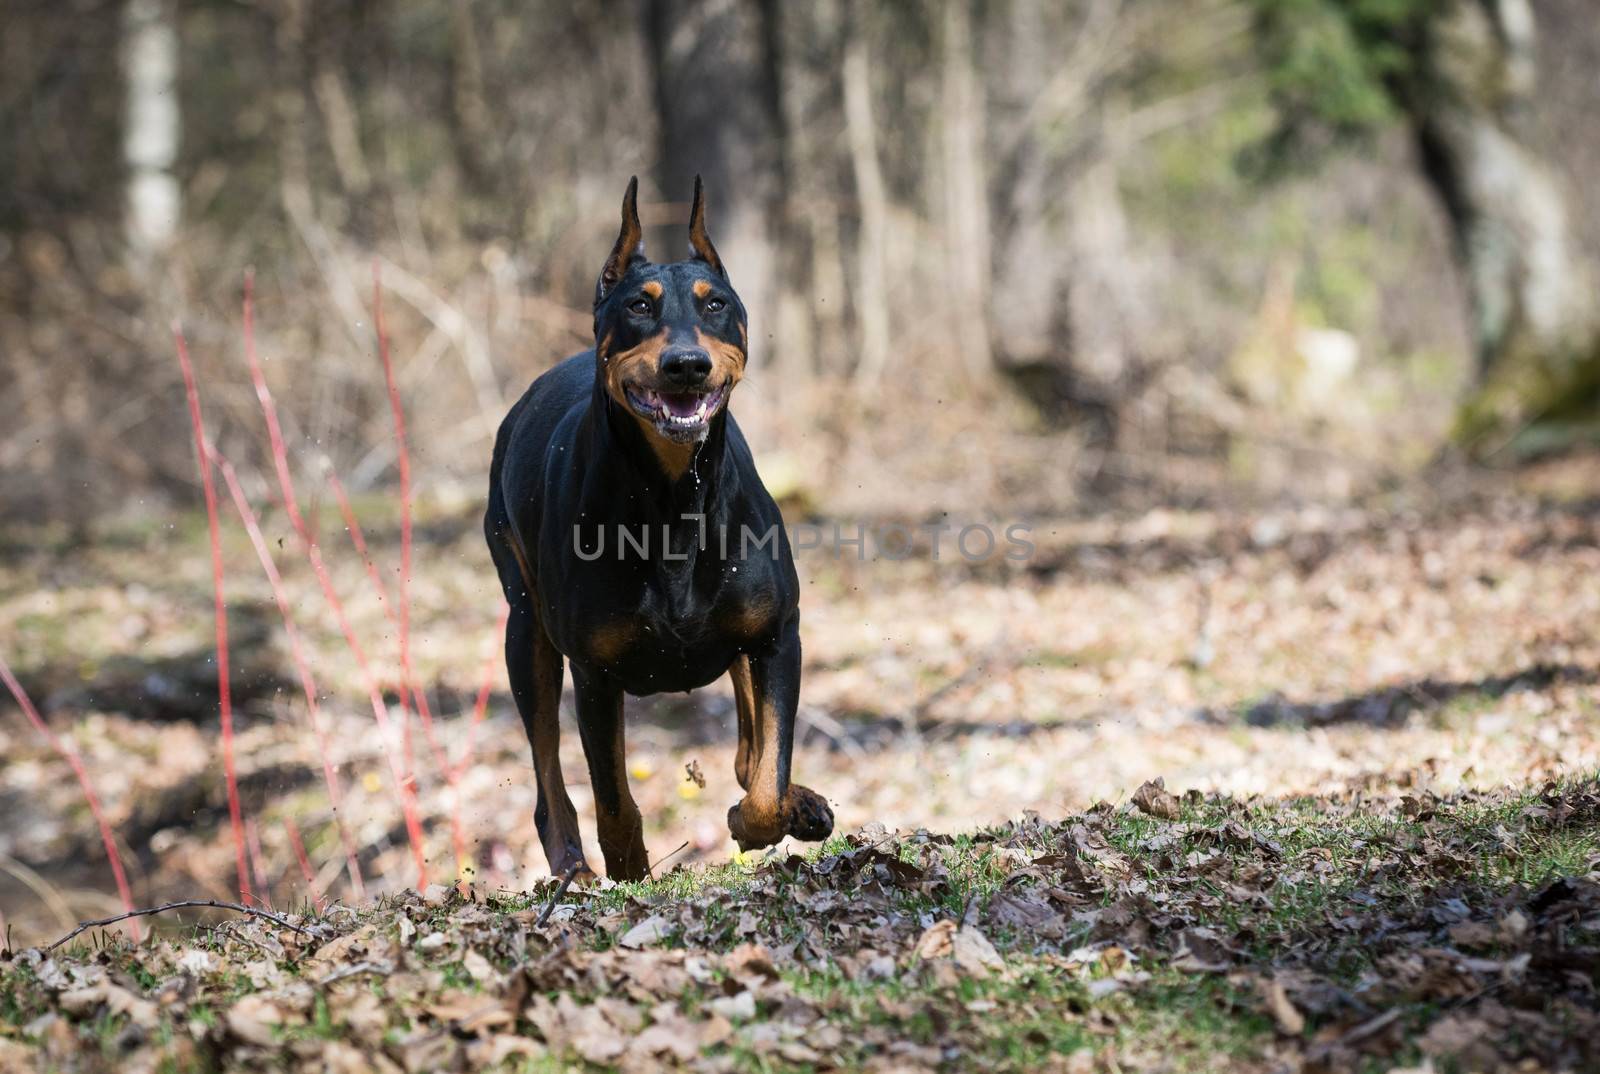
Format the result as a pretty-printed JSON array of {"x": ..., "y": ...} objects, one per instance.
[
  {"x": 740, "y": 1007},
  {"x": 589, "y": 1033},
  {"x": 677, "y": 1038},
  {"x": 647, "y": 932},
  {"x": 492, "y": 1053},
  {"x": 1200, "y": 950},
  {"x": 82, "y": 1001},
  {"x": 478, "y": 967},
  {"x": 1154, "y": 799},
  {"x": 936, "y": 942},
  {"x": 364, "y": 1015},
  {"x": 338, "y": 1057},
  {"x": 715, "y": 1030},
  {"x": 255, "y": 1020},
  {"x": 16, "y": 1058},
  {"x": 1283, "y": 1011},
  {"x": 974, "y": 953}
]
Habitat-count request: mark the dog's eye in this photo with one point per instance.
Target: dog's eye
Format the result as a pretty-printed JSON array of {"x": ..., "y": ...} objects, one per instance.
[
  {"x": 639, "y": 306},
  {"x": 715, "y": 304}
]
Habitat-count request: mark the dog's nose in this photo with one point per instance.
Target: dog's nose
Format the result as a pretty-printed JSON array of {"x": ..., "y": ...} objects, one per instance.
[{"x": 685, "y": 366}]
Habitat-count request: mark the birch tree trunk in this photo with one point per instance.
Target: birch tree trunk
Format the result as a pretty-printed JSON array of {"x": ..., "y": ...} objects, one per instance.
[{"x": 151, "y": 130}]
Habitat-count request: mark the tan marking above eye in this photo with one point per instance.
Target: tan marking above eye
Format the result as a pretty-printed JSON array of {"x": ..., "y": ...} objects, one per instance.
[
  {"x": 652, "y": 288},
  {"x": 702, "y": 288}
]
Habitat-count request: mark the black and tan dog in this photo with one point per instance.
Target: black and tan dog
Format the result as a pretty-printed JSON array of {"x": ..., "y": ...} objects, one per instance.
[{"x": 626, "y": 521}]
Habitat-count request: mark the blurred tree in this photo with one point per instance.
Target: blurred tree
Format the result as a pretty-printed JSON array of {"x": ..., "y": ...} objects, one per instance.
[
  {"x": 719, "y": 109},
  {"x": 1463, "y": 75},
  {"x": 150, "y": 134}
]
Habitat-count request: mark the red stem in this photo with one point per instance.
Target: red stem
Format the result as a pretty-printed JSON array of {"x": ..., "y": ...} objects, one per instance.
[
  {"x": 403, "y": 460},
  {"x": 403, "y": 782},
  {"x": 358, "y": 538},
  {"x": 70, "y": 755},
  {"x": 258, "y": 869},
  {"x": 224, "y": 696},
  {"x": 302, "y": 665},
  {"x": 305, "y": 862},
  {"x": 479, "y": 708}
]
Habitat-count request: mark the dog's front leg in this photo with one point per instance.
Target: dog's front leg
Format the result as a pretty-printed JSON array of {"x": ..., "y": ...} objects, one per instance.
[
  {"x": 767, "y": 692},
  {"x": 617, "y": 816}
]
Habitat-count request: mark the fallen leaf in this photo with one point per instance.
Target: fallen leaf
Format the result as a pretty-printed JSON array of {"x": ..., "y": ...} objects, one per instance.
[
  {"x": 255, "y": 1020},
  {"x": 974, "y": 953},
  {"x": 649, "y": 931},
  {"x": 1154, "y": 799},
  {"x": 936, "y": 942},
  {"x": 1289, "y": 1019}
]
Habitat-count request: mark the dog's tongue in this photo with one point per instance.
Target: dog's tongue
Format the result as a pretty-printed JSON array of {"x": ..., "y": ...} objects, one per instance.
[{"x": 681, "y": 404}]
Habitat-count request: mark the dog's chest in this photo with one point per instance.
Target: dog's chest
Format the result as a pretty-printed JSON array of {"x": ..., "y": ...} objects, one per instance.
[{"x": 658, "y": 640}]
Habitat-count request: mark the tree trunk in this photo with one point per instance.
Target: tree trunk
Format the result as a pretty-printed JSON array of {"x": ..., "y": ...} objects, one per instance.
[
  {"x": 872, "y": 292},
  {"x": 716, "y": 96},
  {"x": 1528, "y": 286},
  {"x": 966, "y": 198},
  {"x": 150, "y": 134}
]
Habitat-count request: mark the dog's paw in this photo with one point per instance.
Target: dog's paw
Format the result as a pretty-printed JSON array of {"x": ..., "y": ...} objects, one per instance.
[
  {"x": 803, "y": 813},
  {"x": 810, "y": 819},
  {"x": 751, "y": 829},
  {"x": 581, "y": 873}
]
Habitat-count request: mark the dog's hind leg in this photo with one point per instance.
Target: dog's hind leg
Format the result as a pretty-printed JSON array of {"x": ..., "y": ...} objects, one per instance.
[
  {"x": 534, "y": 666},
  {"x": 772, "y": 806},
  {"x": 616, "y": 814}
]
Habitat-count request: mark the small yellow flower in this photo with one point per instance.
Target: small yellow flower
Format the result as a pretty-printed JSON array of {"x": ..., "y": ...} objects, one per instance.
[
  {"x": 372, "y": 783},
  {"x": 642, "y": 770},
  {"x": 688, "y": 790}
]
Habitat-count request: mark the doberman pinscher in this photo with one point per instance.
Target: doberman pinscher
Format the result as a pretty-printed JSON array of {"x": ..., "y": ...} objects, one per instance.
[{"x": 634, "y": 538}]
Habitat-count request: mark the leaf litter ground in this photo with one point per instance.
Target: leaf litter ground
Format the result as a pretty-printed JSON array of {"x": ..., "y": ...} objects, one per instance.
[
  {"x": 1378, "y": 849},
  {"x": 1200, "y": 932}
]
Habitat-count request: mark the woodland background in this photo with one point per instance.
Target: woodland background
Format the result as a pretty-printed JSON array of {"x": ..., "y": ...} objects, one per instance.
[{"x": 1151, "y": 247}]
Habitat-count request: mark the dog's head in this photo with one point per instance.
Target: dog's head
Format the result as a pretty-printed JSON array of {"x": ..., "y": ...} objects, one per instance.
[{"x": 670, "y": 339}]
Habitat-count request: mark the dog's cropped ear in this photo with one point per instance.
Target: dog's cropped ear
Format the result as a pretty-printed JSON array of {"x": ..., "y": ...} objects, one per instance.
[
  {"x": 699, "y": 241},
  {"x": 630, "y": 244}
]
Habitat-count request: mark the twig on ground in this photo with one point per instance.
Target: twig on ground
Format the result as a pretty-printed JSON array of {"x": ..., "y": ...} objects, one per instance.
[
  {"x": 382, "y": 969},
  {"x": 215, "y": 904},
  {"x": 681, "y": 848},
  {"x": 561, "y": 889}
]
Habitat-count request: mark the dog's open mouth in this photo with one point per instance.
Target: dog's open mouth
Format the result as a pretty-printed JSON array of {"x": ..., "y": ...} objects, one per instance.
[{"x": 678, "y": 415}]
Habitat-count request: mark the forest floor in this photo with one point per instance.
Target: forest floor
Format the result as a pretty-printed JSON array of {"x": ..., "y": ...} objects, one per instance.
[{"x": 1376, "y": 844}]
